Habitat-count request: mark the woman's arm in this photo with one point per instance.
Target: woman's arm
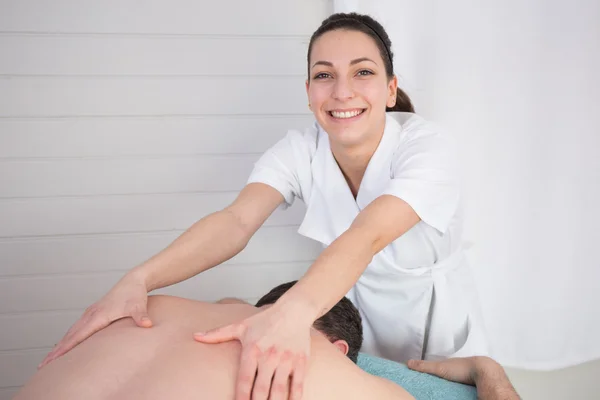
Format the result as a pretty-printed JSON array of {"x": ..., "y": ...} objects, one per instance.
[
  {"x": 212, "y": 240},
  {"x": 339, "y": 266},
  {"x": 276, "y": 341}
]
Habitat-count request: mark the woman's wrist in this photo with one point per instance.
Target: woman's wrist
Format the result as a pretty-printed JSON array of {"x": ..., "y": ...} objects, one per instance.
[
  {"x": 297, "y": 307},
  {"x": 139, "y": 275}
]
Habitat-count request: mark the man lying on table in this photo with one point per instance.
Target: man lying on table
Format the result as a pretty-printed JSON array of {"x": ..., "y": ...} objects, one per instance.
[{"x": 164, "y": 362}]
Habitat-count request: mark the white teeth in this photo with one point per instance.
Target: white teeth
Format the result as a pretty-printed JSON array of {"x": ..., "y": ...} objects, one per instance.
[{"x": 346, "y": 114}]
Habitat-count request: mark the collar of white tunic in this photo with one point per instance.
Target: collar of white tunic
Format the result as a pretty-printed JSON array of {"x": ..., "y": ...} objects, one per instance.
[{"x": 331, "y": 207}]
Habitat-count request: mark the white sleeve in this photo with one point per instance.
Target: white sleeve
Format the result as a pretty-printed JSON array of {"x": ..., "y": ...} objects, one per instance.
[
  {"x": 277, "y": 167},
  {"x": 424, "y": 174}
]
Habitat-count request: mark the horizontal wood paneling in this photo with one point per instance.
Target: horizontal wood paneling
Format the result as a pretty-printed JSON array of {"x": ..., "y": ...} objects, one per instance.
[
  {"x": 7, "y": 393},
  {"x": 149, "y": 55},
  {"x": 74, "y": 292},
  {"x": 89, "y": 253},
  {"x": 85, "y": 177},
  {"x": 257, "y": 17},
  {"x": 110, "y": 214},
  {"x": 22, "y": 331},
  {"x": 17, "y": 367},
  {"x": 137, "y": 136},
  {"x": 96, "y": 96},
  {"x": 119, "y": 214}
]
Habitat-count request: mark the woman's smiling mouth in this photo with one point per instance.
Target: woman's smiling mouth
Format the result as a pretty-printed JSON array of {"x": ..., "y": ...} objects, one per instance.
[{"x": 346, "y": 114}]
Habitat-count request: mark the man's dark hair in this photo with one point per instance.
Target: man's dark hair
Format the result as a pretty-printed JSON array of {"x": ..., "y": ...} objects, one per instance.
[{"x": 342, "y": 322}]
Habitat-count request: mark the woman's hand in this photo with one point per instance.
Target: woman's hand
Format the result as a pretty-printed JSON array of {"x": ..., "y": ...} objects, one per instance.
[
  {"x": 128, "y": 298},
  {"x": 275, "y": 350}
]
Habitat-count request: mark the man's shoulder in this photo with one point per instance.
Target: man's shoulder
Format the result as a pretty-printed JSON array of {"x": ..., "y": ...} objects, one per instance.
[
  {"x": 161, "y": 303},
  {"x": 388, "y": 389}
]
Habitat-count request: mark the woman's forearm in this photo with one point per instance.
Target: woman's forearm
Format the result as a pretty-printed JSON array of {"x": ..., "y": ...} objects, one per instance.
[
  {"x": 209, "y": 242},
  {"x": 331, "y": 276},
  {"x": 341, "y": 264}
]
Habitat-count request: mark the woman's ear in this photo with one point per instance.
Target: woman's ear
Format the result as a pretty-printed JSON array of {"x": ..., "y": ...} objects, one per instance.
[
  {"x": 393, "y": 92},
  {"x": 307, "y": 87},
  {"x": 342, "y": 346}
]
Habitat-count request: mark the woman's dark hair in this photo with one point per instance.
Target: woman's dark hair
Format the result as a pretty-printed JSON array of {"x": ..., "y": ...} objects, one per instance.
[
  {"x": 368, "y": 26},
  {"x": 342, "y": 322}
]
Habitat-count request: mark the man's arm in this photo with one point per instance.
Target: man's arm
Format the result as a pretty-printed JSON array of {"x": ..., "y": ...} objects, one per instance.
[
  {"x": 491, "y": 381},
  {"x": 482, "y": 372}
]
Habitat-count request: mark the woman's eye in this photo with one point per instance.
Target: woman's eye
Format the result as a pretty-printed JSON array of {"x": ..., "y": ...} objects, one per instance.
[
  {"x": 364, "y": 72},
  {"x": 322, "y": 75}
]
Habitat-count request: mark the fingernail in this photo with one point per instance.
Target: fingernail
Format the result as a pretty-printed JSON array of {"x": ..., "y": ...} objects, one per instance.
[
  {"x": 145, "y": 319},
  {"x": 199, "y": 333}
]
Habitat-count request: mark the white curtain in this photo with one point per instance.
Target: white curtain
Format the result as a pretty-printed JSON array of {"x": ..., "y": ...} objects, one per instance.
[{"x": 517, "y": 82}]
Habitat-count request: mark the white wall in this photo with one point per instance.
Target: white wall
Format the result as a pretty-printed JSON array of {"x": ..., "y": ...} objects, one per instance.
[
  {"x": 122, "y": 123},
  {"x": 518, "y": 83}
]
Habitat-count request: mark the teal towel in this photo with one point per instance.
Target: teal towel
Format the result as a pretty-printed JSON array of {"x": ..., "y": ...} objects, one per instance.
[{"x": 421, "y": 386}]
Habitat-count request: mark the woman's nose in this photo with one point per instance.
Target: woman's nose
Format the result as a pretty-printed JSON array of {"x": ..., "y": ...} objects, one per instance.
[{"x": 342, "y": 90}]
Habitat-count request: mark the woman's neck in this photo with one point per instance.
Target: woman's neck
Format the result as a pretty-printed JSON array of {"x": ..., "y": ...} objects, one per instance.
[{"x": 353, "y": 161}]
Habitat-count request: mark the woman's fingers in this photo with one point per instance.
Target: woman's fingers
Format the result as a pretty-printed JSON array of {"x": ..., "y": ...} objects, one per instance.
[
  {"x": 273, "y": 348},
  {"x": 141, "y": 318},
  {"x": 280, "y": 388},
  {"x": 269, "y": 361},
  {"x": 89, "y": 324},
  {"x": 298, "y": 375},
  {"x": 57, "y": 350},
  {"x": 128, "y": 298},
  {"x": 247, "y": 373},
  {"x": 219, "y": 335}
]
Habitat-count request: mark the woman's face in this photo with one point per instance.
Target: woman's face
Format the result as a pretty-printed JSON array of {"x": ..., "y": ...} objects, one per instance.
[{"x": 348, "y": 89}]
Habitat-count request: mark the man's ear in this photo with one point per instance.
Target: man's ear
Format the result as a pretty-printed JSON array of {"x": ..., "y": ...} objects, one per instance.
[{"x": 342, "y": 346}]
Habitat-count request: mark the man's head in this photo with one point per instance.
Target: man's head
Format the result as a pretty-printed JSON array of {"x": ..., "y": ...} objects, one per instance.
[{"x": 342, "y": 324}]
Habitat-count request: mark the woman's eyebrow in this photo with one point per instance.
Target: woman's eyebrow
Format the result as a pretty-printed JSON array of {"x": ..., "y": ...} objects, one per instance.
[
  {"x": 325, "y": 63},
  {"x": 359, "y": 60},
  {"x": 355, "y": 61}
]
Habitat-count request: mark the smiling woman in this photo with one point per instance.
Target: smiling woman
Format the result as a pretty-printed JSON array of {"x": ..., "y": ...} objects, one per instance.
[
  {"x": 347, "y": 90},
  {"x": 350, "y": 79},
  {"x": 368, "y": 26},
  {"x": 382, "y": 196}
]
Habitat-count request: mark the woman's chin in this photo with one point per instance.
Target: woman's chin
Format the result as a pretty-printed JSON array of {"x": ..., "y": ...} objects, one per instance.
[
  {"x": 346, "y": 137},
  {"x": 343, "y": 131}
]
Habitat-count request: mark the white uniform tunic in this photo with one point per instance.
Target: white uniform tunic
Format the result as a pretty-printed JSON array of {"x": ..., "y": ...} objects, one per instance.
[{"x": 416, "y": 297}]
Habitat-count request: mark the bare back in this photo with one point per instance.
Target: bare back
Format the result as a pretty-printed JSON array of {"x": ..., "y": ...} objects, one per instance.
[{"x": 164, "y": 362}]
